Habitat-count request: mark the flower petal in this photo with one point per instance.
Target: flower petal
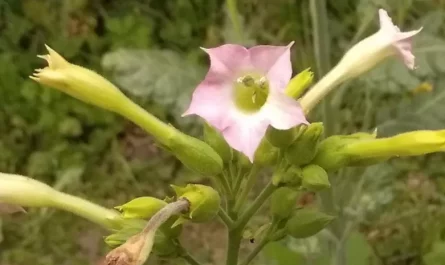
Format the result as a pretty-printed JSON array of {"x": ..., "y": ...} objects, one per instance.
[
  {"x": 274, "y": 62},
  {"x": 211, "y": 100},
  {"x": 283, "y": 112},
  {"x": 226, "y": 60},
  {"x": 246, "y": 132},
  {"x": 401, "y": 41}
]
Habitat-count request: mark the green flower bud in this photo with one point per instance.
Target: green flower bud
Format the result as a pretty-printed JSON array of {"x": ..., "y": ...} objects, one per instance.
[
  {"x": 303, "y": 150},
  {"x": 165, "y": 247},
  {"x": 142, "y": 207},
  {"x": 195, "y": 154},
  {"x": 129, "y": 228},
  {"x": 331, "y": 155},
  {"x": 298, "y": 85},
  {"x": 266, "y": 154},
  {"x": 282, "y": 202},
  {"x": 213, "y": 138},
  {"x": 307, "y": 222},
  {"x": 290, "y": 177},
  {"x": 281, "y": 138},
  {"x": 204, "y": 202},
  {"x": 315, "y": 178}
]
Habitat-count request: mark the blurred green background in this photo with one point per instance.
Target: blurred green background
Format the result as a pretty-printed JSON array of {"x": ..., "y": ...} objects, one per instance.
[{"x": 389, "y": 214}]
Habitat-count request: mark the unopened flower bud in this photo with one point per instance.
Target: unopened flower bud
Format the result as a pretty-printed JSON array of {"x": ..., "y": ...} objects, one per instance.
[
  {"x": 307, "y": 222},
  {"x": 315, "y": 178},
  {"x": 204, "y": 202},
  {"x": 195, "y": 154},
  {"x": 282, "y": 202},
  {"x": 330, "y": 155},
  {"x": 266, "y": 154},
  {"x": 142, "y": 207},
  {"x": 290, "y": 177},
  {"x": 79, "y": 82},
  {"x": 304, "y": 148},
  {"x": 165, "y": 247},
  {"x": 298, "y": 85},
  {"x": 281, "y": 138},
  {"x": 213, "y": 138}
]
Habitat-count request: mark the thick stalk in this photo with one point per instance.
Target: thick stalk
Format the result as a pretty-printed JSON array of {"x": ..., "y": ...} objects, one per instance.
[
  {"x": 233, "y": 246},
  {"x": 95, "y": 213}
]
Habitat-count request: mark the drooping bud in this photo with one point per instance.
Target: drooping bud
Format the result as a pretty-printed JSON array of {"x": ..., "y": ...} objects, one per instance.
[
  {"x": 304, "y": 148},
  {"x": 204, "y": 202},
  {"x": 315, "y": 178},
  {"x": 266, "y": 154},
  {"x": 290, "y": 177},
  {"x": 283, "y": 202},
  {"x": 142, "y": 207},
  {"x": 298, "y": 85},
  {"x": 213, "y": 138},
  {"x": 195, "y": 154},
  {"x": 307, "y": 222}
]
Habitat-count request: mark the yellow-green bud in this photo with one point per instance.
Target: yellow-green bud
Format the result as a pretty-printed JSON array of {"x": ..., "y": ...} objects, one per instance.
[
  {"x": 266, "y": 154},
  {"x": 307, "y": 222},
  {"x": 298, "y": 85},
  {"x": 142, "y": 207},
  {"x": 281, "y": 138},
  {"x": 204, "y": 202},
  {"x": 304, "y": 148},
  {"x": 330, "y": 154},
  {"x": 315, "y": 178},
  {"x": 290, "y": 177},
  {"x": 130, "y": 227},
  {"x": 79, "y": 82},
  {"x": 195, "y": 154},
  {"x": 213, "y": 138},
  {"x": 282, "y": 203}
]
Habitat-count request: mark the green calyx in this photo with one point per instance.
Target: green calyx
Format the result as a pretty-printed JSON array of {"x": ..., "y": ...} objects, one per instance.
[{"x": 251, "y": 92}]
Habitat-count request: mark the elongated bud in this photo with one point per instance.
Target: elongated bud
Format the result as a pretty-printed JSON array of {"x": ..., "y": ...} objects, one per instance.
[
  {"x": 195, "y": 154},
  {"x": 298, "y": 85},
  {"x": 283, "y": 202},
  {"x": 406, "y": 144},
  {"x": 315, "y": 178},
  {"x": 303, "y": 150},
  {"x": 307, "y": 222},
  {"x": 331, "y": 155},
  {"x": 290, "y": 177},
  {"x": 281, "y": 138},
  {"x": 204, "y": 202},
  {"x": 215, "y": 140},
  {"x": 79, "y": 82},
  {"x": 142, "y": 207},
  {"x": 266, "y": 154}
]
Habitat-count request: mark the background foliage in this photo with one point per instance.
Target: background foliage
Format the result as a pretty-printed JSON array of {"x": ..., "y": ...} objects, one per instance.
[{"x": 388, "y": 214}]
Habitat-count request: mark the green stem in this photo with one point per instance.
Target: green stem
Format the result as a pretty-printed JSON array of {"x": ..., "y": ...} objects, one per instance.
[
  {"x": 256, "y": 205},
  {"x": 234, "y": 17},
  {"x": 86, "y": 209},
  {"x": 251, "y": 179},
  {"x": 160, "y": 130},
  {"x": 321, "y": 40},
  {"x": 233, "y": 246},
  {"x": 226, "y": 218}
]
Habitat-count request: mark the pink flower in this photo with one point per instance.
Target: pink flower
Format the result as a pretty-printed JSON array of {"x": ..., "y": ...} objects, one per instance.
[{"x": 243, "y": 93}]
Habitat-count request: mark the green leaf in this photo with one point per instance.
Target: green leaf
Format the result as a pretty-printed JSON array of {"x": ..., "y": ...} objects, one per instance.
[{"x": 280, "y": 254}]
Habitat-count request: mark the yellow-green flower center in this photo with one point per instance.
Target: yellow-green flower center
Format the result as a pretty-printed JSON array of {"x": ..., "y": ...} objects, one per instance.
[{"x": 251, "y": 92}]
